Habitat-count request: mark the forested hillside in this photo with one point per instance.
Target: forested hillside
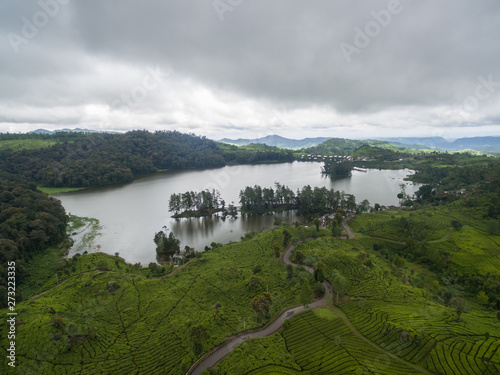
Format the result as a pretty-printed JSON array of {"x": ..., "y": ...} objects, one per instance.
[
  {"x": 88, "y": 160},
  {"x": 30, "y": 221},
  {"x": 339, "y": 146}
]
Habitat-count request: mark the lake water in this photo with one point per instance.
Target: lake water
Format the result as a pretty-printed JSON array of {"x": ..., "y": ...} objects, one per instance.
[{"x": 131, "y": 214}]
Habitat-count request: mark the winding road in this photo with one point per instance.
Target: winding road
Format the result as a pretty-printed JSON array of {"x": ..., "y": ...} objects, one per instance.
[{"x": 210, "y": 359}]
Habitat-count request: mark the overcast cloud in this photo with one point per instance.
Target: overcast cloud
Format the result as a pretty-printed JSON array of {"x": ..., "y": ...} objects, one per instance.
[{"x": 249, "y": 68}]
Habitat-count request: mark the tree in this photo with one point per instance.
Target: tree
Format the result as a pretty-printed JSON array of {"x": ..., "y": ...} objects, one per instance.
[
  {"x": 319, "y": 272},
  {"x": 377, "y": 207},
  {"x": 400, "y": 197},
  {"x": 261, "y": 305},
  {"x": 317, "y": 223},
  {"x": 306, "y": 293},
  {"x": 166, "y": 247},
  {"x": 403, "y": 191},
  {"x": 336, "y": 231},
  {"x": 424, "y": 192},
  {"x": 286, "y": 237},
  {"x": 482, "y": 297},
  {"x": 364, "y": 206},
  {"x": 457, "y": 225},
  {"x": 198, "y": 334},
  {"x": 299, "y": 256},
  {"x": 277, "y": 249},
  {"x": 459, "y": 305},
  {"x": 253, "y": 283},
  {"x": 493, "y": 227},
  {"x": 339, "y": 216},
  {"x": 339, "y": 284}
]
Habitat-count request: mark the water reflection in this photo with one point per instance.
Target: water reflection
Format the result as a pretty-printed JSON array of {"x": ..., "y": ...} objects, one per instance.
[{"x": 131, "y": 214}]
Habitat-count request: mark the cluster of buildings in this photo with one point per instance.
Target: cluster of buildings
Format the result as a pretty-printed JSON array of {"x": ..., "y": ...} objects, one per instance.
[{"x": 325, "y": 157}]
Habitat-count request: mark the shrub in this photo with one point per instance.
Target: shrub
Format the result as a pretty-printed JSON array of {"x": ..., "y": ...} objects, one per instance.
[
  {"x": 457, "y": 225},
  {"x": 319, "y": 290},
  {"x": 310, "y": 261}
]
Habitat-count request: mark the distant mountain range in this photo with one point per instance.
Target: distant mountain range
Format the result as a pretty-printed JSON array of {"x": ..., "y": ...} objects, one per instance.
[
  {"x": 78, "y": 130},
  {"x": 278, "y": 141},
  {"x": 484, "y": 144}
]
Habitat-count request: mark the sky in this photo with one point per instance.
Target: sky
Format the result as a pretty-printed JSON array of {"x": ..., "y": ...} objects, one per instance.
[{"x": 251, "y": 68}]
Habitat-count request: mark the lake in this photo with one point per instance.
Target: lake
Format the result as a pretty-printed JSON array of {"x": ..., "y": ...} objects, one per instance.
[{"x": 131, "y": 214}]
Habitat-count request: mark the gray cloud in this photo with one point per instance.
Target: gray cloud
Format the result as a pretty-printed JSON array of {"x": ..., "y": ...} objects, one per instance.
[{"x": 279, "y": 61}]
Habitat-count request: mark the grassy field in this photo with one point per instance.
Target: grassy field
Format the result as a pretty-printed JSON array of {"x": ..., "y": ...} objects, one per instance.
[
  {"x": 26, "y": 144},
  {"x": 106, "y": 316},
  {"x": 49, "y": 190},
  {"x": 471, "y": 249}
]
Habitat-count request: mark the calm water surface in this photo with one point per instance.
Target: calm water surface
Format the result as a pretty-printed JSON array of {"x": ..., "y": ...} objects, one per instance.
[{"x": 131, "y": 214}]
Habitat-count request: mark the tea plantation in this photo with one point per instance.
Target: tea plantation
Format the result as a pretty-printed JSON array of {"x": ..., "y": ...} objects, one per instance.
[{"x": 105, "y": 316}]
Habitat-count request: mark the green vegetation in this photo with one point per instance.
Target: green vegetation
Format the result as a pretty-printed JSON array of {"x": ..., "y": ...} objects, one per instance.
[
  {"x": 335, "y": 146},
  {"x": 315, "y": 342},
  {"x": 308, "y": 201},
  {"x": 30, "y": 221},
  {"x": 338, "y": 169},
  {"x": 414, "y": 285},
  {"x": 254, "y": 153},
  {"x": 48, "y": 190},
  {"x": 198, "y": 204},
  {"x": 167, "y": 247},
  {"x": 417, "y": 289},
  {"x": 87, "y": 160},
  {"x": 105, "y": 308},
  {"x": 398, "y": 306},
  {"x": 25, "y": 144}
]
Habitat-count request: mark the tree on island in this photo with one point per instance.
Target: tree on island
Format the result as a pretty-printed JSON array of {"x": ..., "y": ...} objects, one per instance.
[
  {"x": 166, "y": 246},
  {"x": 338, "y": 169}
]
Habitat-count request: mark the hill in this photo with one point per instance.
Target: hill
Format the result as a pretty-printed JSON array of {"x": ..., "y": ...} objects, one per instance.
[
  {"x": 485, "y": 144},
  {"x": 97, "y": 159},
  {"x": 338, "y": 146},
  {"x": 278, "y": 141}
]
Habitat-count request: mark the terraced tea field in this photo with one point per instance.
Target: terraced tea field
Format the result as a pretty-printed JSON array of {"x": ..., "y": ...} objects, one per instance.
[
  {"x": 111, "y": 321},
  {"x": 315, "y": 342},
  {"x": 387, "y": 225},
  {"x": 428, "y": 334}
]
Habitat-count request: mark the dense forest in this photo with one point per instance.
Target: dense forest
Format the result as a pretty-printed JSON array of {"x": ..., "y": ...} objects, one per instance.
[
  {"x": 89, "y": 160},
  {"x": 30, "y": 221}
]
